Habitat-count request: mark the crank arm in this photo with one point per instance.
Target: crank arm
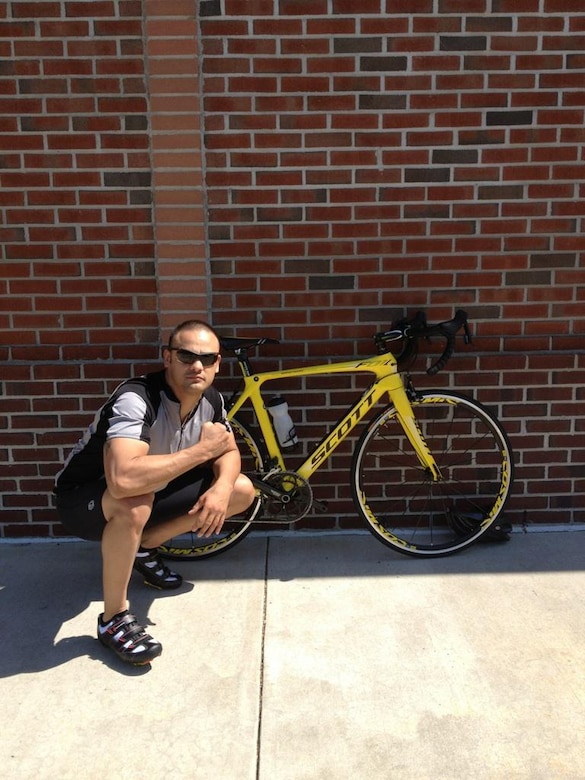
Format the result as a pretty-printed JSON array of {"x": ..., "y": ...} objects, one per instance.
[
  {"x": 283, "y": 496},
  {"x": 269, "y": 490}
]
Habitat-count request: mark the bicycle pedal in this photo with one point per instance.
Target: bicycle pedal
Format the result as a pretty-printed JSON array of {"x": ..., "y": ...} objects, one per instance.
[{"x": 320, "y": 506}]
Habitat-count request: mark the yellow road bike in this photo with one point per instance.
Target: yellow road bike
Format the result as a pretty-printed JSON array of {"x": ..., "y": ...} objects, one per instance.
[{"x": 430, "y": 473}]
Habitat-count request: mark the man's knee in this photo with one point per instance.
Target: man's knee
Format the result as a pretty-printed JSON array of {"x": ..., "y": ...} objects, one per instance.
[
  {"x": 244, "y": 492},
  {"x": 134, "y": 511}
]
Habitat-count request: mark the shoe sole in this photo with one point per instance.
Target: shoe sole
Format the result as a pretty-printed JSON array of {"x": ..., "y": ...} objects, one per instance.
[{"x": 174, "y": 586}]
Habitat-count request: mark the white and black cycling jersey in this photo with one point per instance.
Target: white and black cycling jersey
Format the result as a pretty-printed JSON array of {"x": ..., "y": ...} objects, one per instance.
[{"x": 143, "y": 408}]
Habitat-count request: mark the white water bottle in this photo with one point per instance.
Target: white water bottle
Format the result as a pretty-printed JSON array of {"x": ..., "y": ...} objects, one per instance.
[{"x": 282, "y": 422}]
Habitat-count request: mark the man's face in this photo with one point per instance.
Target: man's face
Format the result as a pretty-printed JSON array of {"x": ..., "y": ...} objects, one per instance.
[{"x": 188, "y": 374}]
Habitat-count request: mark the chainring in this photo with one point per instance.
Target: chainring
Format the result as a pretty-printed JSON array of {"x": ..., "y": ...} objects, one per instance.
[{"x": 297, "y": 497}]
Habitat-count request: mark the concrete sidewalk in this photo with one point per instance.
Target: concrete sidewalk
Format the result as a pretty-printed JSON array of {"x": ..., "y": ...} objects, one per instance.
[{"x": 302, "y": 658}]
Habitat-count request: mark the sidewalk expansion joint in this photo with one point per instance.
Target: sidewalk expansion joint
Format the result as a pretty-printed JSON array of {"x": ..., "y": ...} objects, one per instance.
[{"x": 262, "y": 647}]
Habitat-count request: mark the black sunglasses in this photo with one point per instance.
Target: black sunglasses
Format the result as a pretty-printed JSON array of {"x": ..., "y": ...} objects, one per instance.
[{"x": 207, "y": 359}]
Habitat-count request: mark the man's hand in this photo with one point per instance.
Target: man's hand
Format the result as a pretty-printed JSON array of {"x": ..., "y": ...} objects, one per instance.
[
  {"x": 210, "y": 510},
  {"x": 217, "y": 438}
]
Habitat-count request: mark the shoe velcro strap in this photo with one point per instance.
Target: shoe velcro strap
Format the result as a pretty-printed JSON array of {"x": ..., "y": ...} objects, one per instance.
[
  {"x": 130, "y": 641},
  {"x": 129, "y": 628}
]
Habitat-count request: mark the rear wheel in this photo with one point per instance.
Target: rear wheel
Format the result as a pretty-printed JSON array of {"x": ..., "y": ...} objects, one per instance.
[
  {"x": 402, "y": 505},
  {"x": 191, "y": 547}
]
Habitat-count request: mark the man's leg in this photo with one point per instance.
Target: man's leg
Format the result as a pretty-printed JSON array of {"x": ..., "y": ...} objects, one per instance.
[
  {"x": 117, "y": 629},
  {"x": 126, "y": 519},
  {"x": 158, "y": 533}
]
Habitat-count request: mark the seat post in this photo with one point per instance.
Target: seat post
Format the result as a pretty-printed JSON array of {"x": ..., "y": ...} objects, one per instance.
[{"x": 241, "y": 354}]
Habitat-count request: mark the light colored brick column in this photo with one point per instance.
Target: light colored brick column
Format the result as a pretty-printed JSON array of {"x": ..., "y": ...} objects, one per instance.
[{"x": 172, "y": 67}]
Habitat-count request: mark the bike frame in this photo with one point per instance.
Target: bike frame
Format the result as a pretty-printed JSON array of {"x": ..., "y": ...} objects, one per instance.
[{"x": 387, "y": 380}]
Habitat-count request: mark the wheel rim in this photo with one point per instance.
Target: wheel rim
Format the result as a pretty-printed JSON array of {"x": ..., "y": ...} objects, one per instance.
[{"x": 401, "y": 503}]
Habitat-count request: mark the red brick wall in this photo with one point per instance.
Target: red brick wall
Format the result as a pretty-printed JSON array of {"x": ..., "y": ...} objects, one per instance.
[
  {"x": 367, "y": 159},
  {"x": 172, "y": 65},
  {"x": 78, "y": 289},
  {"x": 358, "y": 161}
]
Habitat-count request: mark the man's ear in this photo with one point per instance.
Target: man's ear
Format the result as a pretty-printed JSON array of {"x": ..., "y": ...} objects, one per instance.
[
  {"x": 166, "y": 353},
  {"x": 217, "y": 362}
]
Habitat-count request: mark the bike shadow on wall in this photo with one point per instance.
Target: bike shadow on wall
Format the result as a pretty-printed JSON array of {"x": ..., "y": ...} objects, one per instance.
[{"x": 44, "y": 587}]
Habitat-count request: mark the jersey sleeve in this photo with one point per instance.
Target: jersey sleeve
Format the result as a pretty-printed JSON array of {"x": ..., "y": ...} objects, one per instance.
[{"x": 129, "y": 418}]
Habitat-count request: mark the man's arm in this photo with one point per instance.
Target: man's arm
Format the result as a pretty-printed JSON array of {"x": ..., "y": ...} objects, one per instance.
[
  {"x": 131, "y": 471},
  {"x": 210, "y": 511}
]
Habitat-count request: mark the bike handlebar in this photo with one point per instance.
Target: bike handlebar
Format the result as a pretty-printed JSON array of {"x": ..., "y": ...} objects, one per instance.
[
  {"x": 416, "y": 328},
  {"x": 409, "y": 330}
]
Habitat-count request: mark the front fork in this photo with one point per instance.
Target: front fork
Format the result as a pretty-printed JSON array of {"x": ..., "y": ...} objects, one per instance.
[{"x": 402, "y": 403}]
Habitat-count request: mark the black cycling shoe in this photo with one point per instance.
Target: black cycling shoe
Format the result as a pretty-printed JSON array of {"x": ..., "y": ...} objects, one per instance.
[
  {"x": 128, "y": 639},
  {"x": 155, "y": 573}
]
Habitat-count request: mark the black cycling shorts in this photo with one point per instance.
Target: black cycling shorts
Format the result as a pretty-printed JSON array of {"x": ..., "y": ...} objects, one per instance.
[{"x": 80, "y": 508}]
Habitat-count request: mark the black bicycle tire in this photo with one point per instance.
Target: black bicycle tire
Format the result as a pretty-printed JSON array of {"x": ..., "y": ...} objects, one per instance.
[
  {"x": 450, "y": 400},
  {"x": 190, "y": 547}
]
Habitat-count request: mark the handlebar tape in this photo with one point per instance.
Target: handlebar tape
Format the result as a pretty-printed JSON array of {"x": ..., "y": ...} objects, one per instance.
[
  {"x": 449, "y": 330},
  {"x": 445, "y": 357}
]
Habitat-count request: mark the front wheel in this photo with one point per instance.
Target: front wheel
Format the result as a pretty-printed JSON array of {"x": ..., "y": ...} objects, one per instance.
[
  {"x": 189, "y": 546},
  {"x": 399, "y": 500}
]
